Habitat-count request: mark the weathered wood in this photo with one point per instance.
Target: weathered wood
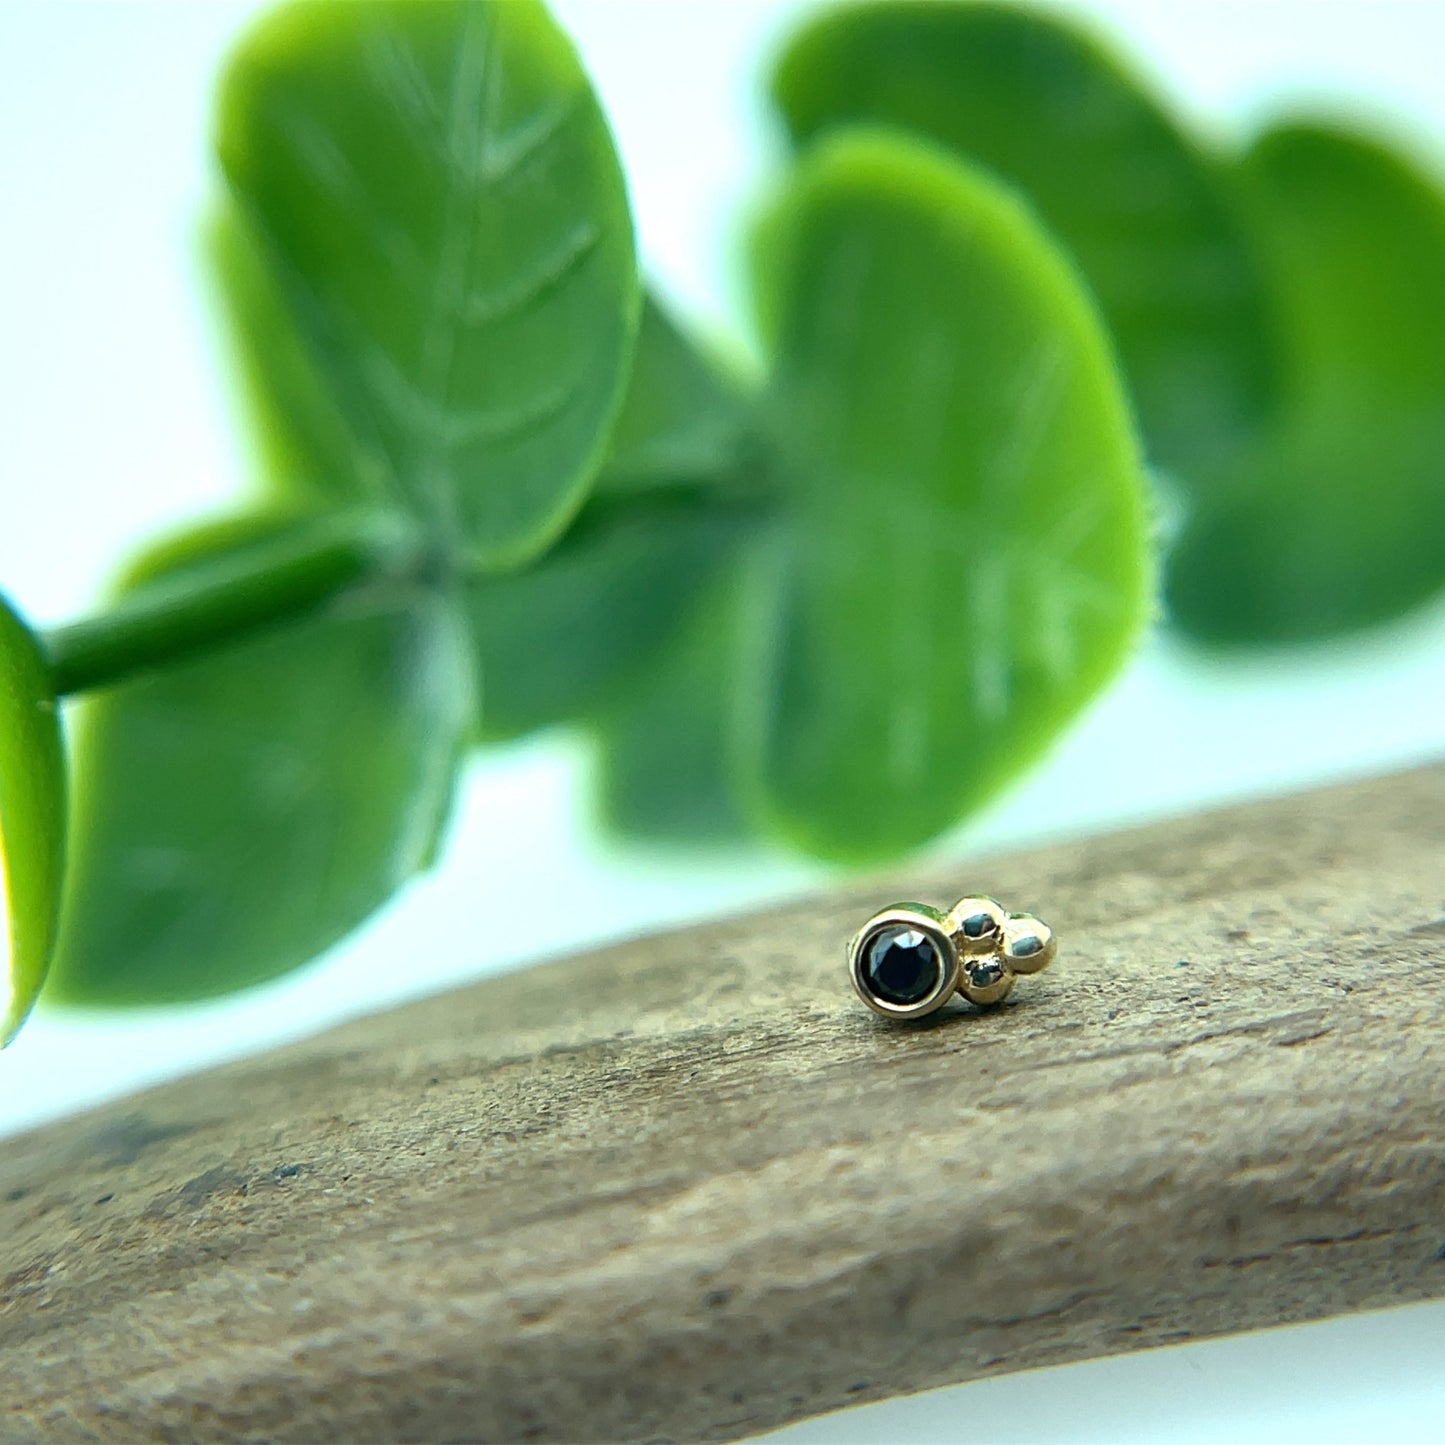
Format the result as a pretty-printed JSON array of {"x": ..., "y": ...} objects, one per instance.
[{"x": 689, "y": 1188}]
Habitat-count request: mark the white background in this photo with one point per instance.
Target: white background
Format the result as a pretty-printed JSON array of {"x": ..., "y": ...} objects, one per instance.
[{"x": 114, "y": 423}]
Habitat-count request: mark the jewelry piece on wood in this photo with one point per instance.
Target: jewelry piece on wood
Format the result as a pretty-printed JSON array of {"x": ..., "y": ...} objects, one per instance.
[{"x": 910, "y": 959}]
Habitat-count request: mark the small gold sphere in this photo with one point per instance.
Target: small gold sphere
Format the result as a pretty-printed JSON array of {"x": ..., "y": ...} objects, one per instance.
[
  {"x": 1028, "y": 945},
  {"x": 976, "y": 925},
  {"x": 985, "y": 980}
]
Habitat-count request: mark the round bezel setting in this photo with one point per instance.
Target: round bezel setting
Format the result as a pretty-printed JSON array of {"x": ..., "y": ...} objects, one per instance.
[{"x": 903, "y": 919}]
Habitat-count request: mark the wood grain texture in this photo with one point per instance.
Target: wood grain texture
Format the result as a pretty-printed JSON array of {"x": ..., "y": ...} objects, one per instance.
[{"x": 688, "y": 1188}]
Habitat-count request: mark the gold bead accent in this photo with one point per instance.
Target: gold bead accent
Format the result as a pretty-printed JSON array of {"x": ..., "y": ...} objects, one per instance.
[
  {"x": 1028, "y": 945},
  {"x": 976, "y": 925},
  {"x": 986, "y": 980}
]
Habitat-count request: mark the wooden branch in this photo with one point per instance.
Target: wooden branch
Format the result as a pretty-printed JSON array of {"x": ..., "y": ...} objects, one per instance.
[{"x": 688, "y": 1188}]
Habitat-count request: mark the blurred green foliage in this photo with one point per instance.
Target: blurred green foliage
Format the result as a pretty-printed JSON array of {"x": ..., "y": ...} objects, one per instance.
[
  {"x": 1278, "y": 311},
  {"x": 239, "y": 811},
  {"x": 1146, "y": 212},
  {"x": 32, "y": 819},
  {"x": 1335, "y": 516},
  {"x": 959, "y": 560},
  {"x": 438, "y": 205},
  {"x": 839, "y": 600}
]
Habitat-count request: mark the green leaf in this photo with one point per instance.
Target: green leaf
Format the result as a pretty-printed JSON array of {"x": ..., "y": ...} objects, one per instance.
[
  {"x": 435, "y": 191},
  {"x": 1145, "y": 212},
  {"x": 238, "y": 813},
  {"x": 566, "y": 634},
  {"x": 307, "y": 451},
  {"x": 1337, "y": 519},
  {"x": 683, "y": 420},
  {"x": 963, "y": 562},
  {"x": 665, "y": 767},
  {"x": 1354, "y": 234},
  {"x": 32, "y": 819}
]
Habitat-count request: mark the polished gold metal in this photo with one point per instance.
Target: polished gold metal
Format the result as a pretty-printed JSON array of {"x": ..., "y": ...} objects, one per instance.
[
  {"x": 979, "y": 948},
  {"x": 977, "y": 925},
  {"x": 934, "y": 926}
]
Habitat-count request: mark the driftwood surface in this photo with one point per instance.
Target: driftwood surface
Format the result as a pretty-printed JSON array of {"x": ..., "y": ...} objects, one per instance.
[{"x": 688, "y": 1188}]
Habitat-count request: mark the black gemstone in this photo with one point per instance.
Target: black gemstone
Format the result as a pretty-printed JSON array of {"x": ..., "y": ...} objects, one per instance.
[{"x": 901, "y": 965}]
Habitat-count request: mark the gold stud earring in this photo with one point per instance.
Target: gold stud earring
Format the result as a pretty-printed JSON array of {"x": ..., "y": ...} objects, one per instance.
[{"x": 909, "y": 960}]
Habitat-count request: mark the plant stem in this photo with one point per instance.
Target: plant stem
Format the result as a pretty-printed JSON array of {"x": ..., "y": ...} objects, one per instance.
[{"x": 278, "y": 576}]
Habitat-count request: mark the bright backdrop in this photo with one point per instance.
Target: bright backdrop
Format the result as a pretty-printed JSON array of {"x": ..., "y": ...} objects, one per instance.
[{"x": 115, "y": 423}]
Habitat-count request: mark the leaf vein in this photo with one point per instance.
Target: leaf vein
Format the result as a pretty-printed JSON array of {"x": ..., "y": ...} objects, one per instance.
[
  {"x": 544, "y": 278},
  {"x": 507, "y": 156},
  {"x": 508, "y": 426},
  {"x": 398, "y": 79}
]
